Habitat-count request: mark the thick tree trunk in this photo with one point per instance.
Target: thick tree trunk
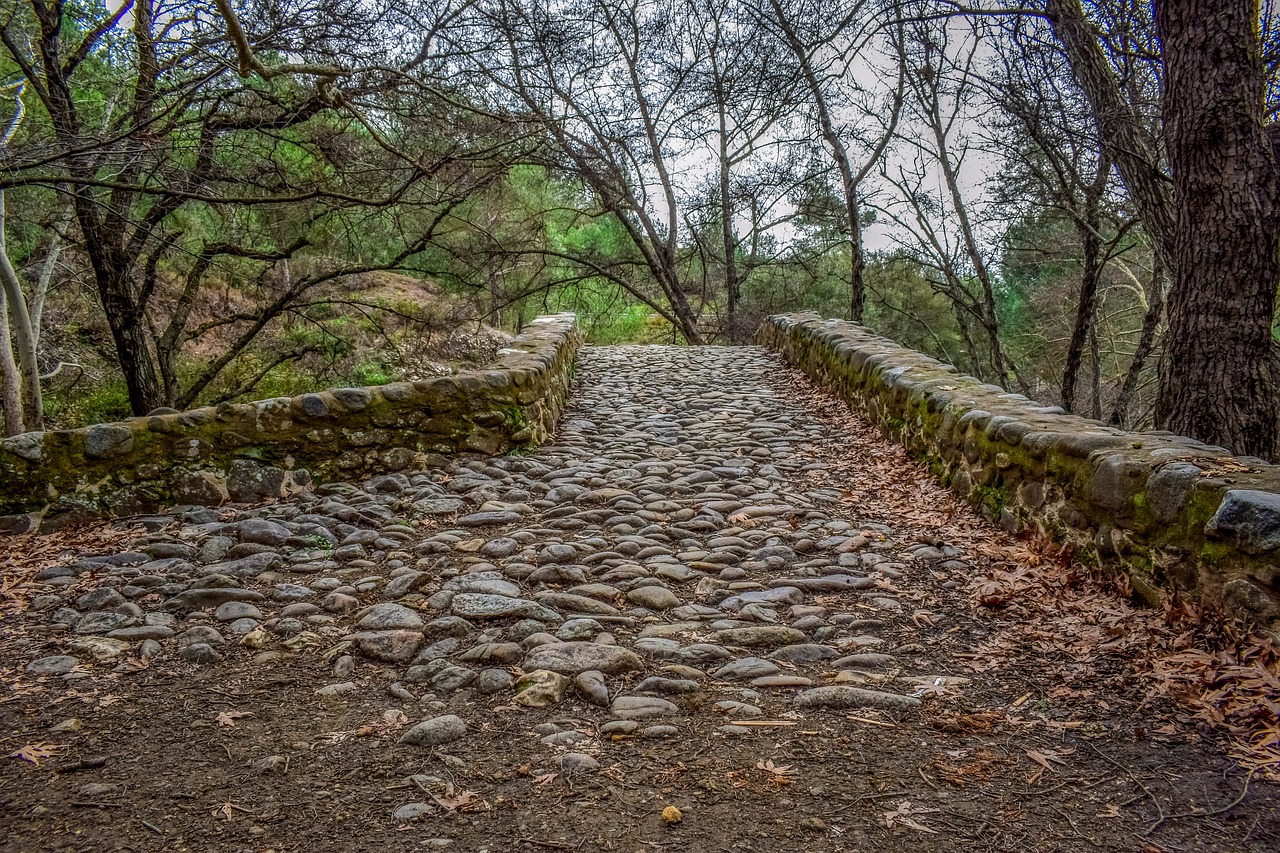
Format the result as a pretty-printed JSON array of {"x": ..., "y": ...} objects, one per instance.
[
  {"x": 686, "y": 319},
  {"x": 127, "y": 330},
  {"x": 1216, "y": 384}
]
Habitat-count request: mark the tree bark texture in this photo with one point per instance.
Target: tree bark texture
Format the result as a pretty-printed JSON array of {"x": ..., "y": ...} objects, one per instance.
[
  {"x": 10, "y": 378},
  {"x": 18, "y": 326},
  {"x": 1216, "y": 384}
]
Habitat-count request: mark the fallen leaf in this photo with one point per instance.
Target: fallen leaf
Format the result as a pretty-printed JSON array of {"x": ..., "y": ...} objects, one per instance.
[
  {"x": 463, "y": 801},
  {"x": 901, "y": 815},
  {"x": 776, "y": 770},
  {"x": 33, "y": 752},
  {"x": 1043, "y": 757},
  {"x": 228, "y": 718}
]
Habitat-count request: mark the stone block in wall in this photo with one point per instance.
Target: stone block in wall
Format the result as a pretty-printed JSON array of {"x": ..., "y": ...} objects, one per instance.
[
  {"x": 199, "y": 488},
  {"x": 1249, "y": 520},
  {"x": 1168, "y": 488}
]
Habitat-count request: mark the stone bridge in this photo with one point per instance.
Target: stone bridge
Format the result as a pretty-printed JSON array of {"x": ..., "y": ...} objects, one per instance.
[
  {"x": 1174, "y": 515},
  {"x": 703, "y": 553}
]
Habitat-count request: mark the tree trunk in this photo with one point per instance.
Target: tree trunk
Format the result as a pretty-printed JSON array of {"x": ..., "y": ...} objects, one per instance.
[
  {"x": 47, "y": 268},
  {"x": 686, "y": 319},
  {"x": 18, "y": 324},
  {"x": 495, "y": 298},
  {"x": 129, "y": 335},
  {"x": 1216, "y": 383},
  {"x": 1146, "y": 342},
  {"x": 839, "y": 156},
  {"x": 728, "y": 240},
  {"x": 11, "y": 379},
  {"x": 1120, "y": 129},
  {"x": 1087, "y": 223},
  {"x": 1095, "y": 368},
  {"x": 1086, "y": 309}
]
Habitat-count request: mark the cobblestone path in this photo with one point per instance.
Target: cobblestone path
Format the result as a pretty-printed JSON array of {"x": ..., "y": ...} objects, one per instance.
[{"x": 674, "y": 605}]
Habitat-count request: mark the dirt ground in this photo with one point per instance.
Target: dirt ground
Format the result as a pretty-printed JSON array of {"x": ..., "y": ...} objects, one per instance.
[{"x": 1063, "y": 718}]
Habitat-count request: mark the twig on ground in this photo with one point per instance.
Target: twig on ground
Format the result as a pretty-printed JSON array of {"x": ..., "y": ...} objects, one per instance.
[
  {"x": 1228, "y": 807},
  {"x": 1136, "y": 781}
]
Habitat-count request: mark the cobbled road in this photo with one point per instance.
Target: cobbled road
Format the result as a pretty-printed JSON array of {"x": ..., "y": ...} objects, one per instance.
[{"x": 678, "y": 575}]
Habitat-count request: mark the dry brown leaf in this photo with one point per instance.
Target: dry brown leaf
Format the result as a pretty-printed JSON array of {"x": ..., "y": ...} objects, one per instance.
[
  {"x": 775, "y": 769},
  {"x": 228, "y": 718},
  {"x": 34, "y": 752},
  {"x": 902, "y": 815},
  {"x": 452, "y": 801}
]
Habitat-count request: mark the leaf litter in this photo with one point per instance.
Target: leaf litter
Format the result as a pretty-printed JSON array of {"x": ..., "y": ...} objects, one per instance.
[{"x": 1219, "y": 678}]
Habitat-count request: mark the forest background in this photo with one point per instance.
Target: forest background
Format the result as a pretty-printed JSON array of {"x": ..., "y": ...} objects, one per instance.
[{"x": 210, "y": 201}]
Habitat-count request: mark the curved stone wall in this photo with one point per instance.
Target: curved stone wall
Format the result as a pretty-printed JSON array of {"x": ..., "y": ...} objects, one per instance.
[
  {"x": 1171, "y": 512},
  {"x": 248, "y": 452}
]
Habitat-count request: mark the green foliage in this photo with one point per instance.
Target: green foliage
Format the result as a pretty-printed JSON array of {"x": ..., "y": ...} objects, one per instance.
[
  {"x": 903, "y": 305},
  {"x": 89, "y": 403}
]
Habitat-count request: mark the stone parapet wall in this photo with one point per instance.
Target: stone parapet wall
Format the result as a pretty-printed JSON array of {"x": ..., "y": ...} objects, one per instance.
[
  {"x": 1171, "y": 512},
  {"x": 248, "y": 452}
]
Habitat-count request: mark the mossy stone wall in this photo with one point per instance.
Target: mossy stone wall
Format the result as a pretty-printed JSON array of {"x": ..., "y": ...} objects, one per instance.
[
  {"x": 1173, "y": 513},
  {"x": 248, "y": 452}
]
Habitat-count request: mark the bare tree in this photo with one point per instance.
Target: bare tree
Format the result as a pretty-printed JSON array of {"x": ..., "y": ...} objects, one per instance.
[
  {"x": 930, "y": 206},
  {"x": 1053, "y": 162},
  {"x": 191, "y": 139},
  {"x": 607, "y": 83},
  {"x": 826, "y": 47},
  {"x": 745, "y": 92}
]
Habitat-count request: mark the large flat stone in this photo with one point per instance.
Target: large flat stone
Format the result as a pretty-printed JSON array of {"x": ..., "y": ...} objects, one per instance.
[
  {"x": 474, "y": 605},
  {"x": 1249, "y": 519},
  {"x": 573, "y": 658}
]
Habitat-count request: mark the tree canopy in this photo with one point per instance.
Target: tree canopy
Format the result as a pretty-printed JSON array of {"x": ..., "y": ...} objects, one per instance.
[{"x": 1078, "y": 200}]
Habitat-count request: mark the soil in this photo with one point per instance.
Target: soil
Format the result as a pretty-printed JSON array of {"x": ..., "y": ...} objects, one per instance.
[{"x": 1051, "y": 727}]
